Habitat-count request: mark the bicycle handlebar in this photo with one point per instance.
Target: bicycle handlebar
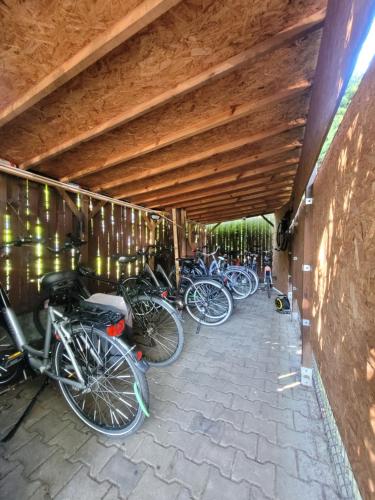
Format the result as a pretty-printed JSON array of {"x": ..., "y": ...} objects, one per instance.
[{"x": 19, "y": 242}]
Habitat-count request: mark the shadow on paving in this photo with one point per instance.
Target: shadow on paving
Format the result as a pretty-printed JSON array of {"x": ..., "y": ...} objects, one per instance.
[{"x": 228, "y": 420}]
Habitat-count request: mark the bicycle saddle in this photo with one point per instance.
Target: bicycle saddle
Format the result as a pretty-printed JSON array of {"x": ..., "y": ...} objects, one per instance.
[
  {"x": 59, "y": 279},
  {"x": 125, "y": 259},
  {"x": 188, "y": 260}
]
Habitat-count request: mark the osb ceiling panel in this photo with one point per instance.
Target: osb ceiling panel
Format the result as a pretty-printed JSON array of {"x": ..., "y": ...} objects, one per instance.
[
  {"x": 146, "y": 167},
  {"x": 188, "y": 39},
  {"x": 283, "y": 68},
  {"x": 247, "y": 126},
  {"x": 38, "y": 36}
]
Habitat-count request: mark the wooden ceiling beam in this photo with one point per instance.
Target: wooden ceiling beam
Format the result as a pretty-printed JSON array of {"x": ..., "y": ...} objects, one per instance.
[
  {"x": 194, "y": 172},
  {"x": 249, "y": 186},
  {"x": 239, "y": 206},
  {"x": 129, "y": 25},
  {"x": 217, "y": 180},
  {"x": 220, "y": 119},
  {"x": 237, "y": 199},
  {"x": 245, "y": 189},
  {"x": 302, "y": 27},
  {"x": 208, "y": 153},
  {"x": 226, "y": 216}
]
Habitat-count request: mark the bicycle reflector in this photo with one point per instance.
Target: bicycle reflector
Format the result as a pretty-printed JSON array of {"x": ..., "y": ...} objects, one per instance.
[
  {"x": 139, "y": 355},
  {"x": 116, "y": 329},
  {"x": 164, "y": 294}
]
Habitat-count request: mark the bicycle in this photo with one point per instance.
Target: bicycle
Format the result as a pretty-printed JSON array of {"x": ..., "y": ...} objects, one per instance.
[
  {"x": 155, "y": 328},
  {"x": 205, "y": 299},
  {"x": 98, "y": 374}
]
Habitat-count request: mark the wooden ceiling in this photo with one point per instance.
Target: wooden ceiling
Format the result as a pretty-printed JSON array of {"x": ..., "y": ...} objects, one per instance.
[{"x": 198, "y": 104}]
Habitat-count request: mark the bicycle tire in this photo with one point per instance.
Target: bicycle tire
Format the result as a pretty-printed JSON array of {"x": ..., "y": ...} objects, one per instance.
[
  {"x": 240, "y": 290},
  {"x": 151, "y": 311},
  {"x": 134, "y": 376},
  {"x": 200, "y": 316}
]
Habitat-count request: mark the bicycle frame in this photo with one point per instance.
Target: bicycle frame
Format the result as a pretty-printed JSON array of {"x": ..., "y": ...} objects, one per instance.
[{"x": 40, "y": 359}]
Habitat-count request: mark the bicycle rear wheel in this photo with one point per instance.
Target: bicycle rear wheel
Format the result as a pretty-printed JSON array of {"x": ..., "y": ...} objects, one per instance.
[
  {"x": 110, "y": 403},
  {"x": 157, "y": 330},
  {"x": 208, "y": 302}
]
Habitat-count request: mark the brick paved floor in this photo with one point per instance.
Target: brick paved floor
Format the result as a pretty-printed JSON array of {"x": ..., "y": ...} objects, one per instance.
[{"x": 229, "y": 421}]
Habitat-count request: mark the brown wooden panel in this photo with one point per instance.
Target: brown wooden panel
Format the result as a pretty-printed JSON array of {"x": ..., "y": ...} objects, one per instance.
[{"x": 345, "y": 29}]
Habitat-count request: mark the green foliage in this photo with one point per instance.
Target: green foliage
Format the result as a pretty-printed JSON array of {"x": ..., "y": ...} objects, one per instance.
[{"x": 344, "y": 104}]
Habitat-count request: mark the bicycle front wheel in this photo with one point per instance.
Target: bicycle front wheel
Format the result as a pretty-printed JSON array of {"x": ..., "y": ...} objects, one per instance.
[
  {"x": 157, "y": 329},
  {"x": 208, "y": 302},
  {"x": 240, "y": 283},
  {"x": 116, "y": 389}
]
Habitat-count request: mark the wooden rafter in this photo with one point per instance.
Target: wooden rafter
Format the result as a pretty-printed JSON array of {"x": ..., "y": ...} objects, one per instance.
[
  {"x": 136, "y": 20},
  {"x": 218, "y": 180},
  {"x": 222, "y": 201},
  {"x": 245, "y": 205},
  {"x": 225, "y": 216},
  {"x": 199, "y": 172},
  {"x": 223, "y": 118},
  {"x": 302, "y": 27},
  {"x": 209, "y": 153},
  {"x": 251, "y": 186}
]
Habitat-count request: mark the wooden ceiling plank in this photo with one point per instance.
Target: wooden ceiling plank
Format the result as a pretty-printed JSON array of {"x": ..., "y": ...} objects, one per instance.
[
  {"x": 223, "y": 118},
  {"x": 217, "y": 180},
  {"x": 231, "y": 201},
  {"x": 249, "y": 186},
  {"x": 240, "y": 206},
  {"x": 132, "y": 23},
  {"x": 226, "y": 216},
  {"x": 199, "y": 172},
  {"x": 288, "y": 35},
  {"x": 208, "y": 153}
]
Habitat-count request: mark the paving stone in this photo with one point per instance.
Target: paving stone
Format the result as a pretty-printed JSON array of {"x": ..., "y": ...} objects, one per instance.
[
  {"x": 155, "y": 455},
  {"x": 299, "y": 440},
  {"x": 246, "y": 405},
  {"x": 260, "y": 426},
  {"x": 94, "y": 455},
  {"x": 221, "y": 457},
  {"x": 6, "y": 466},
  {"x": 33, "y": 454},
  {"x": 219, "y": 487},
  {"x": 234, "y": 417},
  {"x": 291, "y": 488},
  {"x": 15, "y": 486},
  {"x": 83, "y": 487},
  {"x": 56, "y": 472},
  {"x": 112, "y": 494},
  {"x": 48, "y": 426},
  {"x": 123, "y": 473},
  {"x": 304, "y": 424},
  {"x": 262, "y": 475},
  {"x": 284, "y": 416},
  {"x": 191, "y": 475},
  {"x": 212, "y": 428},
  {"x": 284, "y": 457},
  {"x": 240, "y": 440},
  {"x": 70, "y": 439},
  {"x": 150, "y": 488},
  {"x": 313, "y": 470},
  {"x": 19, "y": 439}
]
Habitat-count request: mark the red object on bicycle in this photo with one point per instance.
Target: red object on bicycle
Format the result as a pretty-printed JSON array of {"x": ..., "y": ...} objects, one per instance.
[{"x": 116, "y": 329}]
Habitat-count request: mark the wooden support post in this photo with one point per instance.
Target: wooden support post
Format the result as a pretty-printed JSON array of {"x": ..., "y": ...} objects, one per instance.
[
  {"x": 183, "y": 232},
  {"x": 306, "y": 365},
  {"x": 175, "y": 243}
]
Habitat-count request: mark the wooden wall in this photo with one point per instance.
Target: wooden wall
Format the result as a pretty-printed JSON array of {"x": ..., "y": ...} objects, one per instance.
[
  {"x": 31, "y": 208},
  {"x": 343, "y": 294}
]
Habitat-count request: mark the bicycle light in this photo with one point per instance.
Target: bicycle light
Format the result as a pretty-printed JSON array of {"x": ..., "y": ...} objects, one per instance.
[{"x": 116, "y": 329}]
